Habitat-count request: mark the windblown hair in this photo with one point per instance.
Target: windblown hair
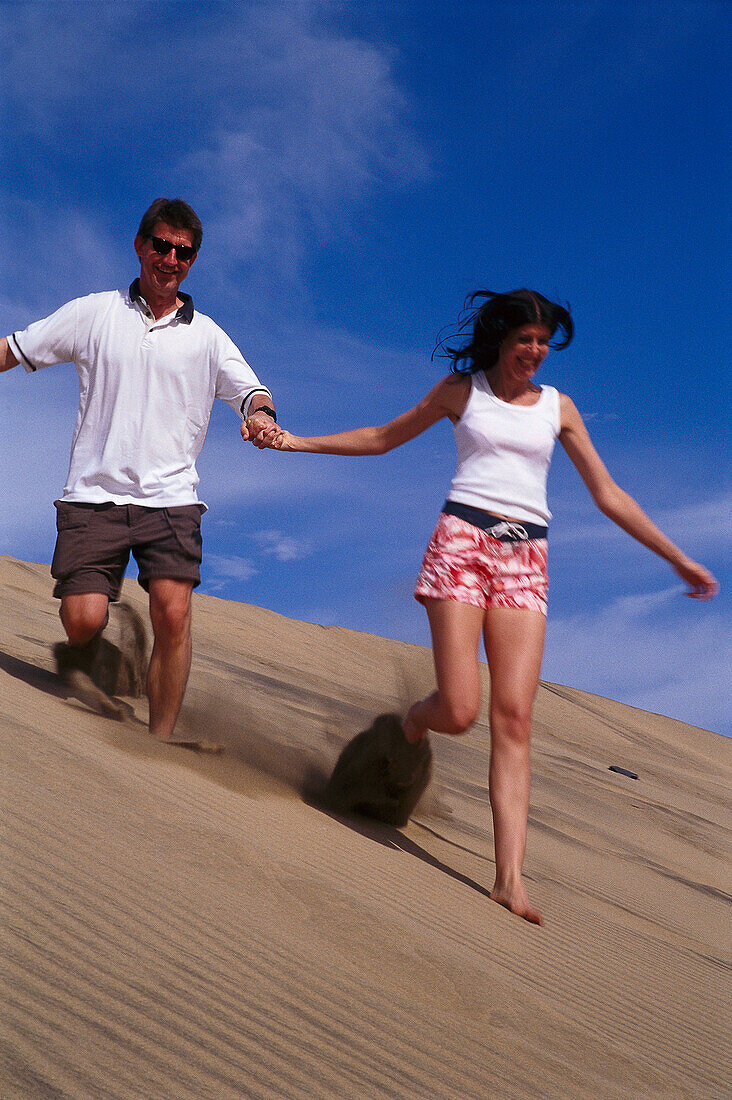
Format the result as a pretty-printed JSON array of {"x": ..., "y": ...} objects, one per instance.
[
  {"x": 175, "y": 213},
  {"x": 494, "y": 318}
]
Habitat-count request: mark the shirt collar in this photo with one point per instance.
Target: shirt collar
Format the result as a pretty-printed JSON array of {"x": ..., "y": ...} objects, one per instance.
[{"x": 185, "y": 313}]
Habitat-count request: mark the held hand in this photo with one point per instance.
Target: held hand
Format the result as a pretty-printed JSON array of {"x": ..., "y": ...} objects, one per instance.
[
  {"x": 280, "y": 440},
  {"x": 702, "y": 584},
  {"x": 259, "y": 429},
  {"x": 284, "y": 441}
]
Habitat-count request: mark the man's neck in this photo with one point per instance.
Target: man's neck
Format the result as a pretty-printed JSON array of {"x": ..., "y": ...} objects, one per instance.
[{"x": 160, "y": 305}]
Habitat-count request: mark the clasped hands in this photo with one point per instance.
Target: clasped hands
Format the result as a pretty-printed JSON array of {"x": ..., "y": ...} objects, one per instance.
[{"x": 261, "y": 430}]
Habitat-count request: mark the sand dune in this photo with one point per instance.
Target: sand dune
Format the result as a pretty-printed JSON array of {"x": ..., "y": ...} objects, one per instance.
[{"x": 179, "y": 926}]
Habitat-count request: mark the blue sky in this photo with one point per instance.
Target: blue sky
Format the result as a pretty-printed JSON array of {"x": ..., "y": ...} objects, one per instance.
[{"x": 359, "y": 169}]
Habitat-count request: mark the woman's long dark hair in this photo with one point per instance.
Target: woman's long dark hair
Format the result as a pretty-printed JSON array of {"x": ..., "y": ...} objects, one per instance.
[{"x": 494, "y": 318}]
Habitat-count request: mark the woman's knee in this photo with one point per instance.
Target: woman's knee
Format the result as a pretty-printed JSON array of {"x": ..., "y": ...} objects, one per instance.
[
  {"x": 511, "y": 719},
  {"x": 460, "y": 715}
]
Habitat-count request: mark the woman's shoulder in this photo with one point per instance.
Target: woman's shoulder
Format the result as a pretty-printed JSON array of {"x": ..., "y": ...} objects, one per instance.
[
  {"x": 568, "y": 411},
  {"x": 451, "y": 386},
  {"x": 550, "y": 396},
  {"x": 453, "y": 392},
  {"x": 551, "y": 393},
  {"x": 565, "y": 401},
  {"x": 457, "y": 381}
]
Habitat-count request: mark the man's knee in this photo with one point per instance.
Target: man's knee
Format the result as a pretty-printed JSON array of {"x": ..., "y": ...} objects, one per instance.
[
  {"x": 170, "y": 609},
  {"x": 83, "y": 615}
]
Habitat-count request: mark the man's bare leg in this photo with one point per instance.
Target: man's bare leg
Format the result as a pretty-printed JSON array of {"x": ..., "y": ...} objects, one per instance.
[
  {"x": 83, "y": 615},
  {"x": 170, "y": 662}
]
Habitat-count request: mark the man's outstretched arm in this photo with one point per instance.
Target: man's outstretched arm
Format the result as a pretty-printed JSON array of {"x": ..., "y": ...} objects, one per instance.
[{"x": 7, "y": 359}]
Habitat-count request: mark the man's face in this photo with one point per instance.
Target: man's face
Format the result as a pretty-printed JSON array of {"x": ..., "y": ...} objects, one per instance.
[{"x": 162, "y": 273}]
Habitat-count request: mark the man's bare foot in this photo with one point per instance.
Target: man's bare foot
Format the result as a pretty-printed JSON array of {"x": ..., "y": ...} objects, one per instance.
[
  {"x": 413, "y": 733},
  {"x": 516, "y": 900},
  {"x": 194, "y": 744},
  {"x": 87, "y": 691}
]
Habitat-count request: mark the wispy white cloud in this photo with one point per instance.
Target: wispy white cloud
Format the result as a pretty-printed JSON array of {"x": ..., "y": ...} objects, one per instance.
[
  {"x": 601, "y": 417},
  {"x": 295, "y": 120},
  {"x": 322, "y": 124},
  {"x": 282, "y": 547},
  {"x": 41, "y": 237},
  {"x": 653, "y": 650},
  {"x": 15, "y": 310},
  {"x": 37, "y": 413},
  {"x": 223, "y": 568},
  {"x": 698, "y": 526},
  {"x": 706, "y": 523}
]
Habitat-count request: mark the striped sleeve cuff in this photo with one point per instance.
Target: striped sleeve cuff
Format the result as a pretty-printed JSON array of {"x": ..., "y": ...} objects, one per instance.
[
  {"x": 19, "y": 355},
  {"x": 247, "y": 399}
]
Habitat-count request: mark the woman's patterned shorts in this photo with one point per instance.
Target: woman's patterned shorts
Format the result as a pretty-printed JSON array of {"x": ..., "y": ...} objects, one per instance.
[{"x": 465, "y": 564}]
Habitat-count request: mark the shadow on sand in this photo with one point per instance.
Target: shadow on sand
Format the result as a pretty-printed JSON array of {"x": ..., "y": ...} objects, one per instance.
[
  {"x": 48, "y": 682},
  {"x": 310, "y": 785},
  {"x": 35, "y": 677},
  {"x": 390, "y": 837}
]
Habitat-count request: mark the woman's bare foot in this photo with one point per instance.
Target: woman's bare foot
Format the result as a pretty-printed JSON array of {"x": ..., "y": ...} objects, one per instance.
[
  {"x": 516, "y": 900},
  {"x": 413, "y": 733}
]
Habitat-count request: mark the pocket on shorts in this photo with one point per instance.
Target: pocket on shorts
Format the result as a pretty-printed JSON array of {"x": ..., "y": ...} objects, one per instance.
[
  {"x": 185, "y": 522},
  {"x": 70, "y": 517}
]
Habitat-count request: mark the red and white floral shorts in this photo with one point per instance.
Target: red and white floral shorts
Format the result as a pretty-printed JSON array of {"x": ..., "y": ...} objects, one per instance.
[{"x": 465, "y": 564}]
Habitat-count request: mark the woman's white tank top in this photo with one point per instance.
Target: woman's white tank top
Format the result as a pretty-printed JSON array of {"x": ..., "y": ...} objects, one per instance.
[{"x": 504, "y": 452}]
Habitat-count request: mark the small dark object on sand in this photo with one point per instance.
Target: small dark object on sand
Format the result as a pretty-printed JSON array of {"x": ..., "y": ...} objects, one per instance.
[
  {"x": 195, "y": 744},
  {"x": 622, "y": 771},
  {"x": 114, "y": 662},
  {"x": 379, "y": 774}
]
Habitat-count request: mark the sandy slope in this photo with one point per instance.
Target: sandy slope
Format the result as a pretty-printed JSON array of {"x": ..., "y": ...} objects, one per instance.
[{"x": 179, "y": 926}]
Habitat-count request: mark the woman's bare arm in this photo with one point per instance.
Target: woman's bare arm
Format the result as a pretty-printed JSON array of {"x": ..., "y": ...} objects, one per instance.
[
  {"x": 7, "y": 359},
  {"x": 447, "y": 399},
  {"x": 621, "y": 508}
]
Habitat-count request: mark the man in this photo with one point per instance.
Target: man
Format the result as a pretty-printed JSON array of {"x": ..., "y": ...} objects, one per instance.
[{"x": 149, "y": 369}]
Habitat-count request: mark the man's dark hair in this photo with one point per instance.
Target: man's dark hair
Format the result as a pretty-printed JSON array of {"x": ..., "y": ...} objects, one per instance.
[{"x": 175, "y": 213}]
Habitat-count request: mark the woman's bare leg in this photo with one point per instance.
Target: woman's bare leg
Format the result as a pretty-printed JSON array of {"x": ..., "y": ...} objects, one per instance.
[
  {"x": 456, "y": 629},
  {"x": 514, "y": 645}
]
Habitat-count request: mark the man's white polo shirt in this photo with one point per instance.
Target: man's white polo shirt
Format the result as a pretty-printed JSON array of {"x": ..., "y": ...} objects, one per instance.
[{"x": 146, "y": 389}]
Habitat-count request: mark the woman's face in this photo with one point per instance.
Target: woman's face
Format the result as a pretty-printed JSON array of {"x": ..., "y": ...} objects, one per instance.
[{"x": 524, "y": 350}]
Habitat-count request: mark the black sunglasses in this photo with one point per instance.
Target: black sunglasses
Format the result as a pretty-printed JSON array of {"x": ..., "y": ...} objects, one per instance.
[{"x": 184, "y": 252}]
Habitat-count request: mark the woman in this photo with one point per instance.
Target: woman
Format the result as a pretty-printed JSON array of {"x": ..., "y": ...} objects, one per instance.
[{"x": 484, "y": 570}]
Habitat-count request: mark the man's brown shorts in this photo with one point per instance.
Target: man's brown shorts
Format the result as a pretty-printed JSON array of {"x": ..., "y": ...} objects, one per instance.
[{"x": 94, "y": 543}]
